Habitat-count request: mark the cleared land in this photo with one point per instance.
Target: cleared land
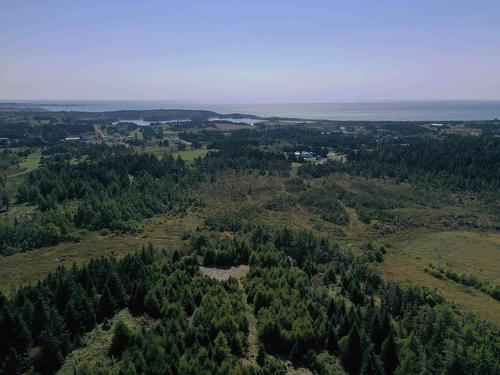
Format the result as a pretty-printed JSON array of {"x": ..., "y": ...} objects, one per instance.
[
  {"x": 16, "y": 175},
  {"x": 221, "y": 274},
  {"x": 190, "y": 155},
  {"x": 28, "y": 164}
]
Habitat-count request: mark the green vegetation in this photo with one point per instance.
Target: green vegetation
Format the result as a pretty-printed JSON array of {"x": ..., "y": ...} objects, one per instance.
[
  {"x": 264, "y": 251},
  {"x": 112, "y": 190},
  {"x": 200, "y": 324},
  {"x": 27, "y": 164},
  {"x": 191, "y": 155},
  {"x": 468, "y": 280}
]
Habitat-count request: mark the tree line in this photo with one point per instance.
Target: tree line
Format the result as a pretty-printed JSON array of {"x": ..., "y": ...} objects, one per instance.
[{"x": 453, "y": 162}]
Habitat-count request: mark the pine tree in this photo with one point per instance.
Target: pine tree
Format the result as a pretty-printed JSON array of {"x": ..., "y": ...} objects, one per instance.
[
  {"x": 136, "y": 302},
  {"x": 456, "y": 365},
  {"x": 412, "y": 357},
  {"x": 40, "y": 318},
  {"x": 15, "y": 333},
  {"x": 381, "y": 329},
  {"x": 50, "y": 357},
  {"x": 371, "y": 364},
  {"x": 107, "y": 304},
  {"x": 73, "y": 319},
  {"x": 152, "y": 304},
  {"x": 127, "y": 367},
  {"x": 261, "y": 354},
  {"x": 12, "y": 361},
  {"x": 122, "y": 338},
  {"x": 332, "y": 338},
  {"x": 389, "y": 354},
  {"x": 117, "y": 290},
  {"x": 176, "y": 256},
  {"x": 221, "y": 348},
  {"x": 352, "y": 352}
]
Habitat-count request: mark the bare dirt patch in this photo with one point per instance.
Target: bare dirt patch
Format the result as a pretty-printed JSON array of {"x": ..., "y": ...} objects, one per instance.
[{"x": 221, "y": 274}]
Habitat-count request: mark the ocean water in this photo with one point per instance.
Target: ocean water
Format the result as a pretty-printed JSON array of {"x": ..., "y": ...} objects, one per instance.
[{"x": 363, "y": 111}]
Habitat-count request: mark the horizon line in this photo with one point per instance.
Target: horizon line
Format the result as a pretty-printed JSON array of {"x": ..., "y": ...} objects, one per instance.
[{"x": 187, "y": 101}]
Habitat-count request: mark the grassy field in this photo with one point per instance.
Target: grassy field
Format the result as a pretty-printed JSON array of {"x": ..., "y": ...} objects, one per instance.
[
  {"x": 295, "y": 168},
  {"x": 28, "y": 164},
  {"x": 186, "y": 155},
  {"x": 15, "y": 176},
  {"x": 190, "y": 155},
  {"x": 23, "y": 268},
  {"x": 158, "y": 151},
  {"x": 463, "y": 251}
]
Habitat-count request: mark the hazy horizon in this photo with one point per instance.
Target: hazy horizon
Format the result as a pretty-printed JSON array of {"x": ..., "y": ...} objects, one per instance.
[
  {"x": 401, "y": 110},
  {"x": 261, "y": 52},
  {"x": 339, "y": 101}
]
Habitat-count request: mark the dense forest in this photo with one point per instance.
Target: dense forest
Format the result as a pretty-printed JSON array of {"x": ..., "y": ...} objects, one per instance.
[
  {"x": 456, "y": 162},
  {"x": 27, "y": 135}
]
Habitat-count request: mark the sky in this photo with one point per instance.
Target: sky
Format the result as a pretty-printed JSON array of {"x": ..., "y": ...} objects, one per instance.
[{"x": 250, "y": 51}]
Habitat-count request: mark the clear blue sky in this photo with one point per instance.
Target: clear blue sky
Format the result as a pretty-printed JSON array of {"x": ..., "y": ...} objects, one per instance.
[{"x": 250, "y": 51}]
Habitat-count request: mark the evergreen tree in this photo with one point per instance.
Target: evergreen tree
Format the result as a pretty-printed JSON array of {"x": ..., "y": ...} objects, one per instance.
[
  {"x": 152, "y": 304},
  {"x": 389, "y": 354},
  {"x": 107, "y": 304},
  {"x": 352, "y": 352},
  {"x": 51, "y": 355},
  {"x": 381, "y": 329},
  {"x": 261, "y": 354},
  {"x": 128, "y": 367},
  {"x": 332, "y": 338},
  {"x": 122, "y": 338},
  {"x": 221, "y": 348},
  {"x": 371, "y": 364},
  {"x": 117, "y": 290}
]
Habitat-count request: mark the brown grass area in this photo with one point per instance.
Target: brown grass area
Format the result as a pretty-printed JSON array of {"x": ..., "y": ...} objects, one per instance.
[
  {"x": 469, "y": 252},
  {"x": 164, "y": 232}
]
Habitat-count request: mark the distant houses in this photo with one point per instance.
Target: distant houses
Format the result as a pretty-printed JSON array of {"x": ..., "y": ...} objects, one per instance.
[{"x": 305, "y": 154}]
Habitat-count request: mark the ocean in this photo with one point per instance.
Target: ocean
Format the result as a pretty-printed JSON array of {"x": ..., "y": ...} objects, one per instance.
[{"x": 362, "y": 111}]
